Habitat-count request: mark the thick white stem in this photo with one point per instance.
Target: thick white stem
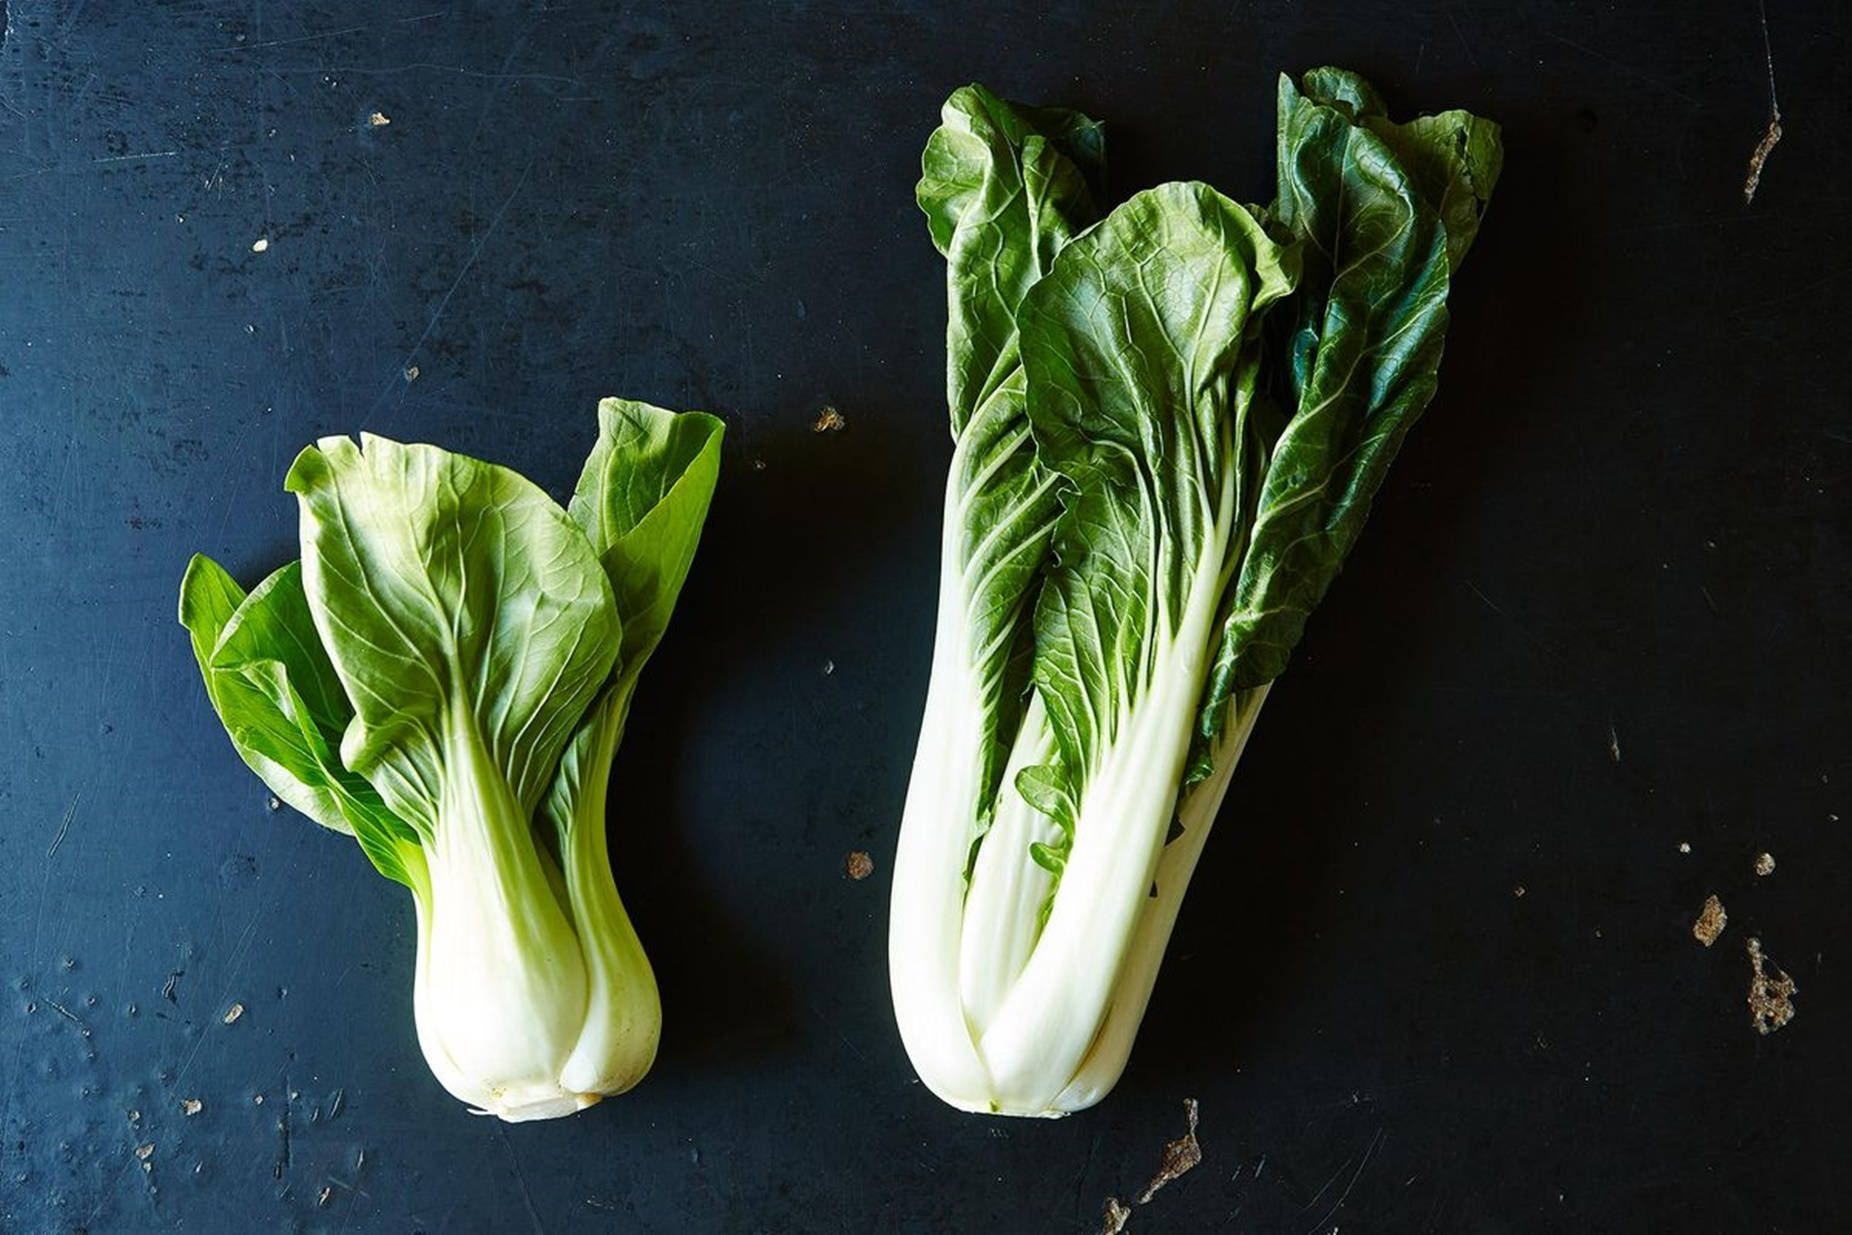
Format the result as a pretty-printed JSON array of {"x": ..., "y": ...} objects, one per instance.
[
  {"x": 925, "y": 918},
  {"x": 1038, "y": 1040},
  {"x": 1106, "y": 1061},
  {"x": 500, "y": 991},
  {"x": 623, "y": 1015},
  {"x": 1003, "y": 909}
]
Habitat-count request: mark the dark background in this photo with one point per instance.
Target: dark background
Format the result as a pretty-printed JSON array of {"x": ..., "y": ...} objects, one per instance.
[{"x": 1436, "y": 974}]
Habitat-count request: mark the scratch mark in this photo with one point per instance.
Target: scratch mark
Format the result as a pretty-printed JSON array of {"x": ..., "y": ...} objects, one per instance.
[
  {"x": 315, "y": 38},
  {"x": 1487, "y": 599},
  {"x": 1343, "y": 1196},
  {"x": 64, "y": 825},
  {"x": 1080, "y": 1181},
  {"x": 468, "y": 264},
  {"x": 68, "y": 1015},
  {"x": 1772, "y": 134},
  {"x": 1461, "y": 35},
  {"x": 521, "y": 1179},
  {"x": 281, "y": 1166},
  {"x": 146, "y": 154},
  {"x": 461, "y": 70},
  {"x": 1628, "y": 69}
]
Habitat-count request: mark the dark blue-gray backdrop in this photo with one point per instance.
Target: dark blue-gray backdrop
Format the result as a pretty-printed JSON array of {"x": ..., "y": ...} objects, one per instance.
[{"x": 1436, "y": 973}]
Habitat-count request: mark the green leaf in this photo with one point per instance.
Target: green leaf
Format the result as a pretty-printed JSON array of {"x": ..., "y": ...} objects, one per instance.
[
  {"x": 1453, "y": 158},
  {"x": 277, "y": 695},
  {"x": 1003, "y": 187},
  {"x": 1140, "y": 349},
  {"x": 642, "y": 500},
  {"x": 1372, "y": 205},
  {"x": 459, "y": 605}
]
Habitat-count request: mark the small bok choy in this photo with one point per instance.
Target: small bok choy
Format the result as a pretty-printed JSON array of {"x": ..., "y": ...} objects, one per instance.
[
  {"x": 445, "y": 675},
  {"x": 1169, "y": 421}
]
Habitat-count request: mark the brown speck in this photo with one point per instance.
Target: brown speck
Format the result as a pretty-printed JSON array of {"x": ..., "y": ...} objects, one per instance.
[
  {"x": 1180, "y": 1156},
  {"x": 260, "y": 244},
  {"x": 1765, "y": 864},
  {"x": 191, "y": 1106},
  {"x": 1114, "y": 1216},
  {"x": 1770, "y": 135},
  {"x": 1710, "y": 923},
  {"x": 1771, "y": 995},
  {"x": 145, "y": 1152},
  {"x": 829, "y": 420},
  {"x": 233, "y": 1013},
  {"x": 858, "y": 865},
  {"x": 379, "y": 120},
  {"x": 1759, "y": 157}
]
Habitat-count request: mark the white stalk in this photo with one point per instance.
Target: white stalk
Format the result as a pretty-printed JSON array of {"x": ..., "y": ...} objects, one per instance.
[
  {"x": 1003, "y": 909},
  {"x": 944, "y": 800},
  {"x": 1047, "y": 1026},
  {"x": 500, "y": 989},
  {"x": 623, "y": 1015},
  {"x": 1106, "y": 1061}
]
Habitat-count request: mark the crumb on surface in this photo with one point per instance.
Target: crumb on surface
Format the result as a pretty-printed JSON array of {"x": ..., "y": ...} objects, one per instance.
[
  {"x": 260, "y": 244},
  {"x": 1113, "y": 1216},
  {"x": 1710, "y": 923},
  {"x": 1758, "y": 158},
  {"x": 1180, "y": 1155},
  {"x": 145, "y": 1152},
  {"x": 1518, "y": 891},
  {"x": 1684, "y": 846},
  {"x": 233, "y": 1013},
  {"x": 411, "y": 373},
  {"x": 829, "y": 420},
  {"x": 1771, "y": 991},
  {"x": 1765, "y": 864},
  {"x": 858, "y": 865},
  {"x": 191, "y": 1106},
  {"x": 379, "y": 119}
]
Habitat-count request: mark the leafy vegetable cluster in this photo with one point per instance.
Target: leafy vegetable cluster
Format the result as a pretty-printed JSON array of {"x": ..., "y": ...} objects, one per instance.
[
  {"x": 1169, "y": 422},
  {"x": 445, "y": 675}
]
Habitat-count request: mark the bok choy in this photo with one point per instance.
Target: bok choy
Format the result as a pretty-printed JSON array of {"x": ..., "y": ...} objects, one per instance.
[
  {"x": 1169, "y": 421},
  {"x": 445, "y": 675}
]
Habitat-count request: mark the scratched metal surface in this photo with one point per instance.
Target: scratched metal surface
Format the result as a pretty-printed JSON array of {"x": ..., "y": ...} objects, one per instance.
[{"x": 1436, "y": 975}]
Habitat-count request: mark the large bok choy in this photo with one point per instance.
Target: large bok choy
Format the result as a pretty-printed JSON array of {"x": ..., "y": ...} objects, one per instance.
[
  {"x": 445, "y": 675},
  {"x": 1169, "y": 423}
]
